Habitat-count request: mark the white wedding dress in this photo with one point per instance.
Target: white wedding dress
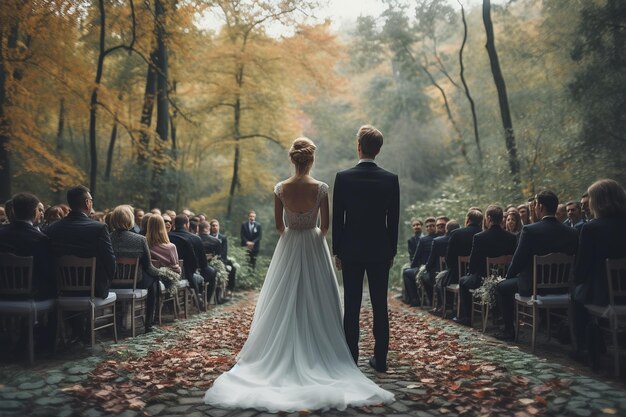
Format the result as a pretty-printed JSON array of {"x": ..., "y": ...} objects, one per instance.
[{"x": 296, "y": 356}]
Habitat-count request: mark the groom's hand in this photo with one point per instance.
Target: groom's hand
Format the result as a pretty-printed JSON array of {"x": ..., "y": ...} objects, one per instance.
[{"x": 338, "y": 263}]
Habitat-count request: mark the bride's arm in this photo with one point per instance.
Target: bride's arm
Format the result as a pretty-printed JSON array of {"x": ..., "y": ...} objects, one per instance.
[
  {"x": 278, "y": 215},
  {"x": 324, "y": 216}
]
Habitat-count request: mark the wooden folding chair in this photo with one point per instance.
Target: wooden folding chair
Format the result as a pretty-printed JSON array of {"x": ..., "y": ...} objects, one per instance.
[
  {"x": 615, "y": 312},
  {"x": 463, "y": 265},
  {"x": 16, "y": 277},
  {"x": 125, "y": 288},
  {"x": 497, "y": 266},
  {"x": 553, "y": 272},
  {"x": 76, "y": 277}
]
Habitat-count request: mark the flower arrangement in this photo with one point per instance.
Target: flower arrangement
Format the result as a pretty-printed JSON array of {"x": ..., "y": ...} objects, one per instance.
[
  {"x": 222, "y": 273},
  {"x": 170, "y": 279},
  {"x": 487, "y": 292},
  {"x": 420, "y": 274}
]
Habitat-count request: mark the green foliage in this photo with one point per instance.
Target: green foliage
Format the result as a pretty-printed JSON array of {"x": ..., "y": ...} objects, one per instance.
[{"x": 247, "y": 278}]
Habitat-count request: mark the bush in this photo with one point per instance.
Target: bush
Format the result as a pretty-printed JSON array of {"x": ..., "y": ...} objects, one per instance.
[{"x": 247, "y": 278}]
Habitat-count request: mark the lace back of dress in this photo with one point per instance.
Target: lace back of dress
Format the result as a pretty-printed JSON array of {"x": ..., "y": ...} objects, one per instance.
[{"x": 306, "y": 220}]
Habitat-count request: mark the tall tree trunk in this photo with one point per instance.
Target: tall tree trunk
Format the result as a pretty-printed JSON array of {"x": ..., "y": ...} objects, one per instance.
[
  {"x": 112, "y": 140},
  {"x": 93, "y": 104},
  {"x": 234, "y": 183},
  {"x": 5, "y": 162},
  {"x": 466, "y": 87},
  {"x": 58, "y": 197},
  {"x": 505, "y": 113},
  {"x": 147, "y": 110},
  {"x": 162, "y": 122}
]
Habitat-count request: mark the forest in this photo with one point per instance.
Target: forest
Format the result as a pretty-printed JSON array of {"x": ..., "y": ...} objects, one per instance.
[{"x": 147, "y": 104}]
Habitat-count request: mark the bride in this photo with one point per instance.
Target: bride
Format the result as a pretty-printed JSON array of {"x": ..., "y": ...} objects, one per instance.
[{"x": 296, "y": 356}]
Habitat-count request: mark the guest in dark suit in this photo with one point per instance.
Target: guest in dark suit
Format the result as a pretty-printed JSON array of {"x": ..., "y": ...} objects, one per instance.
[
  {"x": 601, "y": 238},
  {"x": 366, "y": 212},
  {"x": 230, "y": 267},
  {"x": 574, "y": 215},
  {"x": 420, "y": 257},
  {"x": 416, "y": 225},
  {"x": 251, "y": 234},
  {"x": 487, "y": 244},
  {"x": 439, "y": 249},
  {"x": 181, "y": 224},
  {"x": 21, "y": 238},
  {"x": 211, "y": 244},
  {"x": 138, "y": 214},
  {"x": 460, "y": 243},
  {"x": 545, "y": 236},
  {"x": 78, "y": 235}
]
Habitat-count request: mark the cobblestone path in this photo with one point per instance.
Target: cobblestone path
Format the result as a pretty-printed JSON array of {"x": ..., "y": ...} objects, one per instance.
[{"x": 436, "y": 368}]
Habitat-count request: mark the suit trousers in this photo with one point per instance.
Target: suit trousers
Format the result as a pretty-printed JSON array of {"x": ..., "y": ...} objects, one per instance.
[
  {"x": 378, "y": 281},
  {"x": 428, "y": 283},
  {"x": 506, "y": 300},
  {"x": 410, "y": 286},
  {"x": 467, "y": 283}
]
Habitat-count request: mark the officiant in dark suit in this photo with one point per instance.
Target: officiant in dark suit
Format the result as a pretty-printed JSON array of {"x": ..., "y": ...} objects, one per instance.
[
  {"x": 251, "y": 234},
  {"x": 366, "y": 211}
]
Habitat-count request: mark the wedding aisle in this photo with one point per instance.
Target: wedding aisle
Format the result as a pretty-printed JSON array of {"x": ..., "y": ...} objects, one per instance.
[{"x": 436, "y": 368}]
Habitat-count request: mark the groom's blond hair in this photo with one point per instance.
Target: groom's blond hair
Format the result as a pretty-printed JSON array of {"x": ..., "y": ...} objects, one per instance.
[{"x": 370, "y": 139}]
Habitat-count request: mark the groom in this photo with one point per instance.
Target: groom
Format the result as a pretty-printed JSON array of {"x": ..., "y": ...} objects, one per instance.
[{"x": 366, "y": 210}]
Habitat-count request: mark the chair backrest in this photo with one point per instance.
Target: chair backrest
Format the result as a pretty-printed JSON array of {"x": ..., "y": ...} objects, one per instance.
[
  {"x": 16, "y": 274},
  {"x": 554, "y": 270},
  {"x": 498, "y": 265},
  {"x": 76, "y": 274},
  {"x": 463, "y": 265},
  {"x": 616, "y": 274},
  {"x": 126, "y": 272},
  {"x": 442, "y": 263}
]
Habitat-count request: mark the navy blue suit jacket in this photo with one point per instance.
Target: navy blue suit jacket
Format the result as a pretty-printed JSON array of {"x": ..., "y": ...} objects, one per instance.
[
  {"x": 460, "y": 244},
  {"x": 490, "y": 243},
  {"x": 599, "y": 239},
  {"x": 440, "y": 247},
  {"x": 366, "y": 212},
  {"x": 541, "y": 238},
  {"x": 81, "y": 236},
  {"x": 23, "y": 239}
]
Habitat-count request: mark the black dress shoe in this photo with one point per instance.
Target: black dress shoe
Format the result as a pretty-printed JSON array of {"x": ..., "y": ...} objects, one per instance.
[
  {"x": 372, "y": 362},
  {"x": 462, "y": 321},
  {"x": 505, "y": 335},
  {"x": 436, "y": 311}
]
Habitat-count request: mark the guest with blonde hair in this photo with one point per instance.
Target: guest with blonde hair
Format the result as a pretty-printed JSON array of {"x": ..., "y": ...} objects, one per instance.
[
  {"x": 161, "y": 249},
  {"x": 127, "y": 243}
]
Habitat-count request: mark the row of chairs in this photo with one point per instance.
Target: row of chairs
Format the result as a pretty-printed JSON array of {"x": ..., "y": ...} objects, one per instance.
[
  {"x": 552, "y": 273},
  {"x": 76, "y": 284}
]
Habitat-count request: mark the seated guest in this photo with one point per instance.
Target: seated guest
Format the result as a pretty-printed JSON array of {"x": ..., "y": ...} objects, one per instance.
[
  {"x": 38, "y": 222},
  {"x": 439, "y": 249},
  {"x": 21, "y": 238},
  {"x": 230, "y": 267},
  {"x": 524, "y": 213},
  {"x": 144, "y": 223},
  {"x": 416, "y": 225},
  {"x": 138, "y": 213},
  {"x": 161, "y": 249},
  {"x": 490, "y": 243},
  {"x": 421, "y": 256},
  {"x": 574, "y": 215},
  {"x": 181, "y": 231},
  {"x": 168, "y": 222},
  {"x": 601, "y": 238},
  {"x": 513, "y": 222},
  {"x": 584, "y": 203},
  {"x": 561, "y": 213},
  {"x": 51, "y": 215},
  {"x": 8, "y": 207},
  {"x": 460, "y": 243},
  {"x": 127, "y": 243},
  {"x": 541, "y": 238},
  {"x": 78, "y": 235},
  {"x": 211, "y": 244},
  {"x": 193, "y": 227}
]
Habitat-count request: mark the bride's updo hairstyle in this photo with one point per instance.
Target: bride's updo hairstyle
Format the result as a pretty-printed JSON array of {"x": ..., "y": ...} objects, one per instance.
[{"x": 302, "y": 153}]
